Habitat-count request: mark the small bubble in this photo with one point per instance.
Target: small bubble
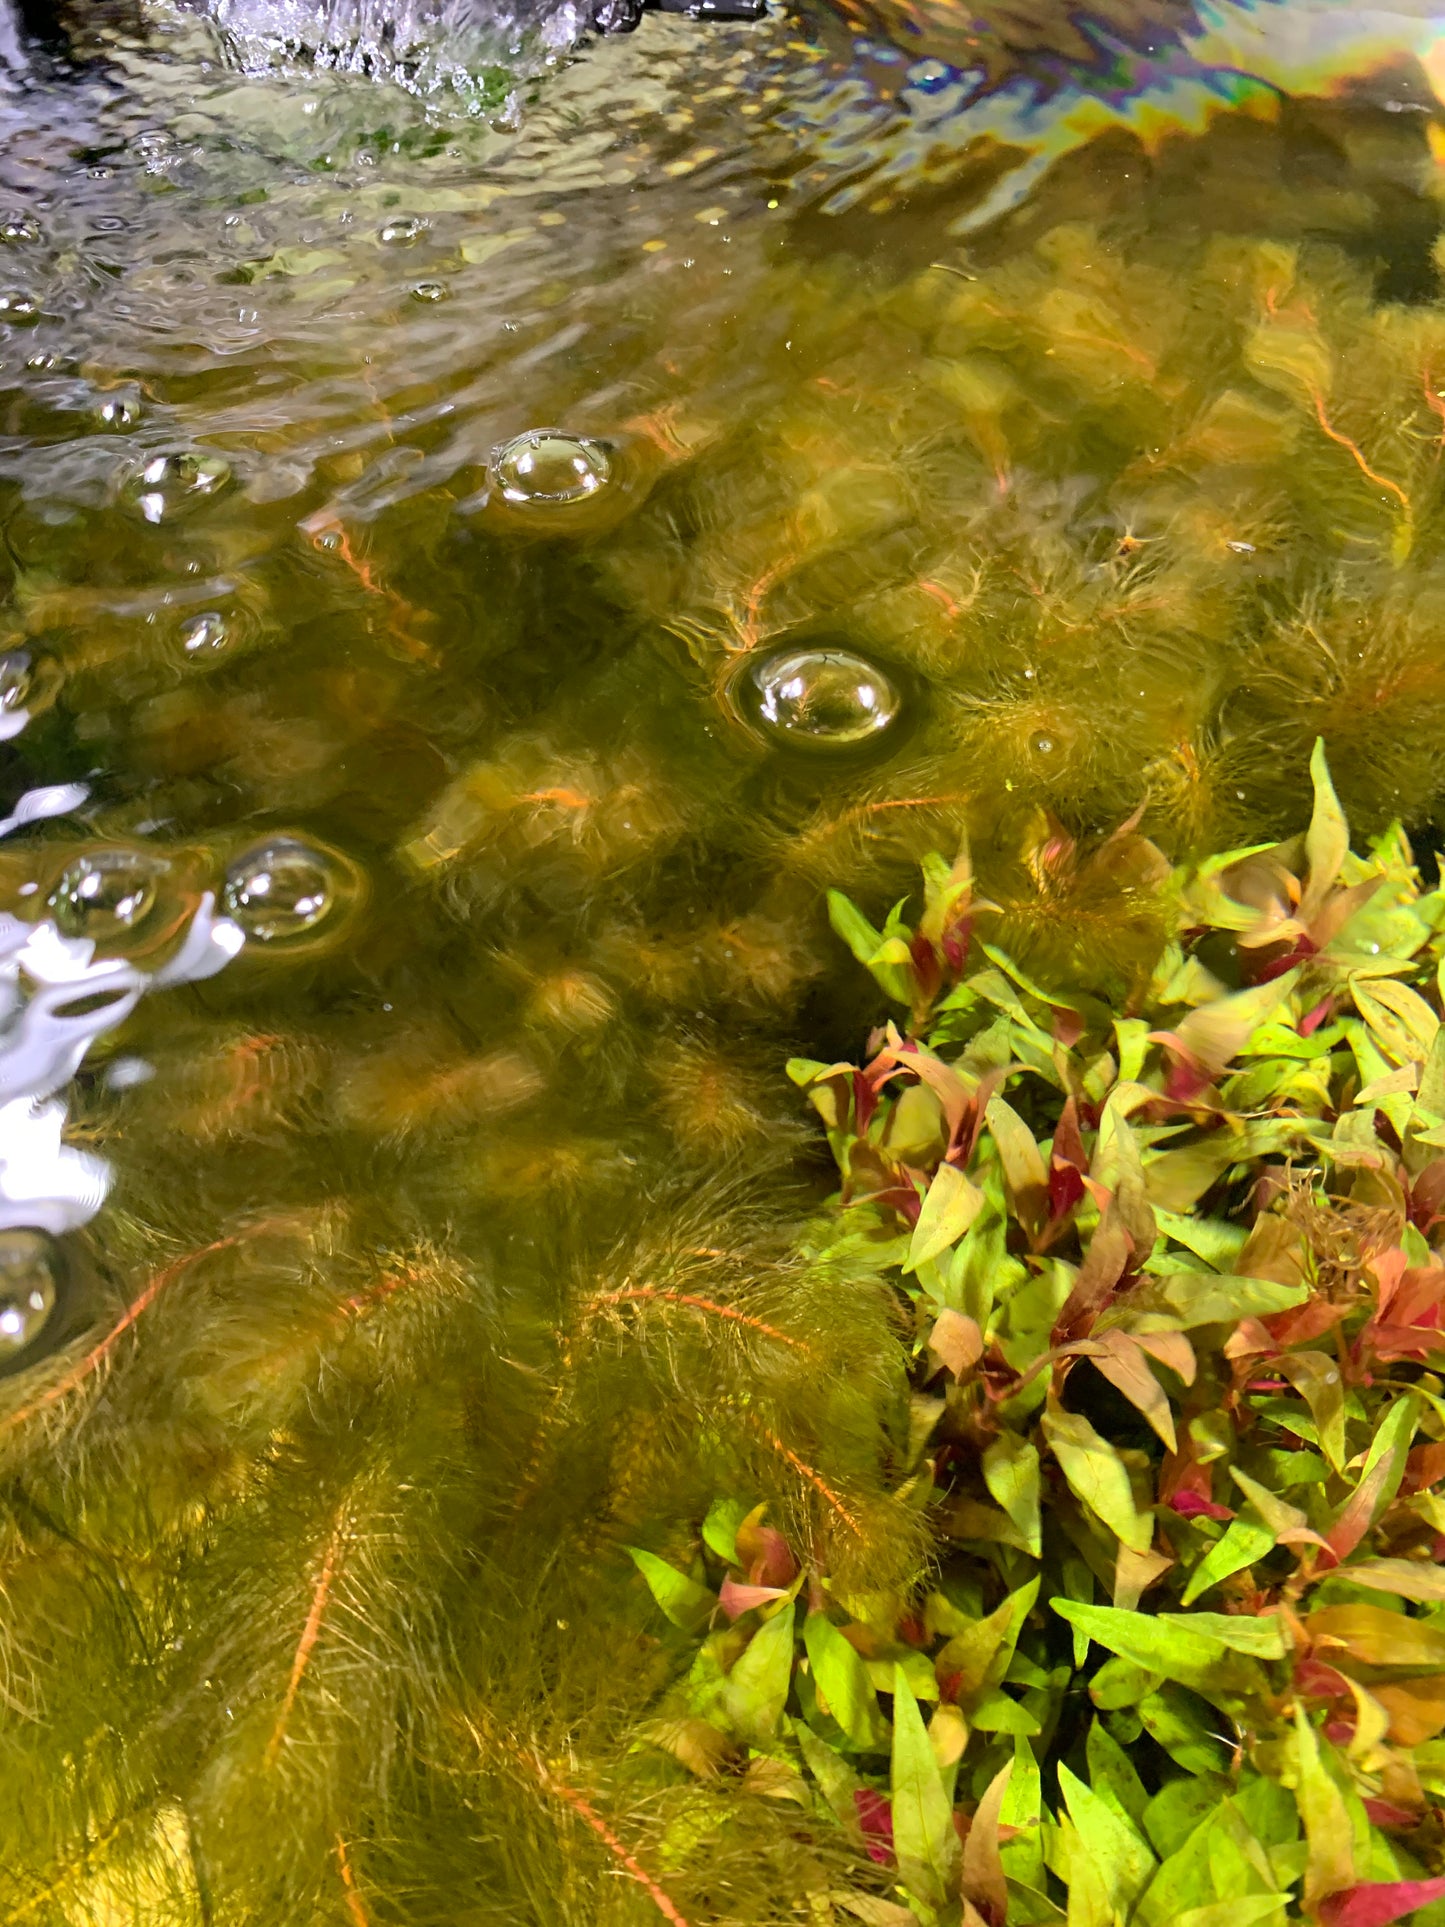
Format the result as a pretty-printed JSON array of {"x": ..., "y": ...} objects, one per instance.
[
  {"x": 823, "y": 698},
  {"x": 118, "y": 412},
  {"x": 402, "y": 232},
  {"x": 168, "y": 484},
  {"x": 284, "y": 889},
  {"x": 16, "y": 229},
  {"x": 547, "y": 465},
  {"x": 15, "y": 679},
  {"x": 19, "y": 309},
  {"x": 1042, "y": 744},
  {"x": 28, "y": 1289},
  {"x": 45, "y": 362},
  {"x": 205, "y": 635},
  {"x": 107, "y": 894},
  {"x": 430, "y": 291}
]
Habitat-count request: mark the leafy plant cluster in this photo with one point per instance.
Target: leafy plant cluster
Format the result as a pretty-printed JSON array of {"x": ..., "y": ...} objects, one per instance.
[{"x": 1170, "y": 1258}]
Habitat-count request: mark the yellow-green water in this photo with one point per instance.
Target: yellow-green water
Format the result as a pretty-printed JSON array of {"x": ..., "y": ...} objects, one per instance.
[{"x": 1127, "y": 495}]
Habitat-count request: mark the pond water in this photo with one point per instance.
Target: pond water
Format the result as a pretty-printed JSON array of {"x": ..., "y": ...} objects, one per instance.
[{"x": 481, "y": 556}]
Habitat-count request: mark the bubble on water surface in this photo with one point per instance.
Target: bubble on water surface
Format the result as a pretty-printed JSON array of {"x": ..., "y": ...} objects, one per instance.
[
  {"x": 402, "y": 232},
  {"x": 284, "y": 890},
  {"x": 169, "y": 484},
  {"x": 547, "y": 466},
  {"x": 107, "y": 894},
  {"x": 29, "y": 1289},
  {"x": 822, "y": 698},
  {"x": 430, "y": 291},
  {"x": 206, "y": 634},
  {"x": 118, "y": 412},
  {"x": 16, "y": 229},
  {"x": 19, "y": 309}
]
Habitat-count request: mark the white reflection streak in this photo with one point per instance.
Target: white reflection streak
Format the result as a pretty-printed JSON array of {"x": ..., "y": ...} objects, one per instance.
[{"x": 56, "y": 998}]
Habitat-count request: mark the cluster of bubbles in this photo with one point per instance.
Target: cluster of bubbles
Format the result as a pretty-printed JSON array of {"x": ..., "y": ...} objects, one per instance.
[{"x": 280, "y": 892}]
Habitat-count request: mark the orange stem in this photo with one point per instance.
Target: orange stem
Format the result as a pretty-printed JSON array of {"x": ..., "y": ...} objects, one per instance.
[
  {"x": 310, "y": 1633},
  {"x": 806, "y": 1471},
  {"x": 1370, "y": 474},
  {"x": 99, "y": 1353},
  {"x": 634, "y": 1294},
  {"x": 354, "y": 1904},
  {"x": 590, "y": 1817}
]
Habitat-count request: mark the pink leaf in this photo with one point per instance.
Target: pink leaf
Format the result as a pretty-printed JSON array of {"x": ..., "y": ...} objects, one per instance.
[
  {"x": 1189, "y": 1505},
  {"x": 1377, "y": 1903},
  {"x": 737, "y": 1599}
]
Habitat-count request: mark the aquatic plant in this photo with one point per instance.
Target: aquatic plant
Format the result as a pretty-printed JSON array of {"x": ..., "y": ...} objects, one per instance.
[{"x": 1170, "y": 1251}]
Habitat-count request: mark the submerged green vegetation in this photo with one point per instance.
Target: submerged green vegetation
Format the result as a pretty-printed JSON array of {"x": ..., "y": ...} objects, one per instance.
[{"x": 500, "y": 1454}]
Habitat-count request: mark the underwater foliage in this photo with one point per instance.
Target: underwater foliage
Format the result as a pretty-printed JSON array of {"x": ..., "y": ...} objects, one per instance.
[{"x": 1171, "y": 1250}]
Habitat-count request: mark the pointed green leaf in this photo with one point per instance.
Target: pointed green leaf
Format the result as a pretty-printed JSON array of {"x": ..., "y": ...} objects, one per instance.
[
  {"x": 1011, "y": 1473},
  {"x": 1327, "y": 841},
  {"x": 1118, "y": 1850},
  {"x": 1243, "y": 1543},
  {"x": 1112, "y": 1776},
  {"x": 925, "y": 1842},
  {"x": 952, "y": 1204},
  {"x": 1097, "y": 1476},
  {"x": 757, "y": 1687},
  {"x": 685, "y": 1602},
  {"x": 842, "y": 1681}
]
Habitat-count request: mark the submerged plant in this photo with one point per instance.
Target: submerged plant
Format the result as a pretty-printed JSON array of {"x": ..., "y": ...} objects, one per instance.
[{"x": 1171, "y": 1262}]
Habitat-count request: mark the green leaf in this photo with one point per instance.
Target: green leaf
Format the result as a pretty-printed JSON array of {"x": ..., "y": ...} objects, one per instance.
[
  {"x": 1241, "y": 1545},
  {"x": 1022, "y": 1162},
  {"x": 1176, "y": 1646},
  {"x": 924, "y": 1839},
  {"x": 1327, "y": 841},
  {"x": 879, "y": 956},
  {"x": 1406, "y": 1578},
  {"x": 757, "y": 1687},
  {"x": 1243, "y": 1911},
  {"x": 1318, "y": 1380},
  {"x": 1112, "y": 1776},
  {"x": 995, "y": 1712},
  {"x": 1184, "y": 1724},
  {"x": 1328, "y": 1826},
  {"x": 952, "y": 1204},
  {"x": 1022, "y": 1856},
  {"x": 1011, "y": 1473},
  {"x": 1120, "y": 1855},
  {"x": 842, "y": 1682},
  {"x": 1201, "y": 1300},
  {"x": 685, "y": 1602},
  {"x": 1097, "y": 1476},
  {"x": 837, "y": 1782},
  {"x": 720, "y": 1527}
]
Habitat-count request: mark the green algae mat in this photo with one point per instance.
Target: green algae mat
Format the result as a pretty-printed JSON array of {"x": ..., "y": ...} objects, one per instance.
[{"x": 722, "y": 1094}]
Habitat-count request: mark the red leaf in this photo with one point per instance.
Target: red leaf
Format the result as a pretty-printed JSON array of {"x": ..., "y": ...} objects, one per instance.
[
  {"x": 1189, "y": 1505},
  {"x": 875, "y": 1817},
  {"x": 1384, "y": 1813},
  {"x": 1312, "y": 1019},
  {"x": 1376, "y": 1903}
]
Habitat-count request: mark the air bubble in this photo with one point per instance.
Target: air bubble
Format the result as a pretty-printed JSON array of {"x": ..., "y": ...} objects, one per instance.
[
  {"x": 823, "y": 698},
  {"x": 206, "y": 634},
  {"x": 402, "y": 232},
  {"x": 19, "y": 309},
  {"x": 430, "y": 291},
  {"x": 286, "y": 889},
  {"x": 29, "y": 1289},
  {"x": 118, "y": 412},
  {"x": 16, "y": 229},
  {"x": 169, "y": 484},
  {"x": 107, "y": 895},
  {"x": 1043, "y": 745},
  {"x": 547, "y": 466}
]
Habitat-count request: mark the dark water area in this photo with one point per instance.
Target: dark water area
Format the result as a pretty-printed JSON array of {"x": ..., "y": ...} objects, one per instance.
[{"x": 484, "y": 550}]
